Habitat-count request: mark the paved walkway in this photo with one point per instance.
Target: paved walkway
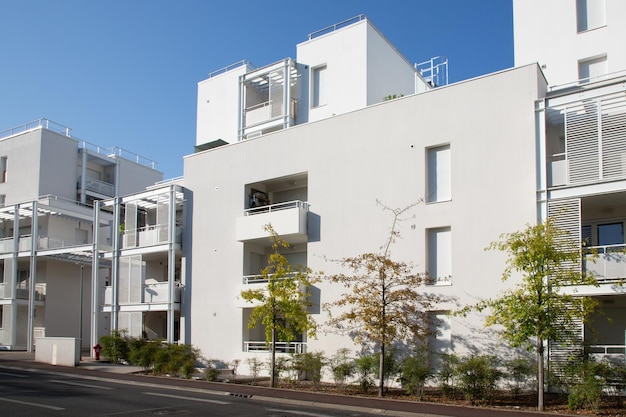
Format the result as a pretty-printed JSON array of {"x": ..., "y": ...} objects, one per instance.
[{"x": 90, "y": 367}]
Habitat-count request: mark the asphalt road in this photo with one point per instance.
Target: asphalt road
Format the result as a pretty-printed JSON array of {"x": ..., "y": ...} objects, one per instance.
[{"x": 39, "y": 393}]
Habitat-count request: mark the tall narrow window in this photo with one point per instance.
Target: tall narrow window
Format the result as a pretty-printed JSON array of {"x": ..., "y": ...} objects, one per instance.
[
  {"x": 319, "y": 86},
  {"x": 591, "y": 14},
  {"x": 438, "y": 185},
  {"x": 592, "y": 69},
  {"x": 440, "y": 255},
  {"x": 3, "y": 169}
]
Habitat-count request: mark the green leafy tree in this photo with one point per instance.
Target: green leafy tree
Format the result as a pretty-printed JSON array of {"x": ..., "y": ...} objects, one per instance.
[
  {"x": 283, "y": 304},
  {"x": 537, "y": 309},
  {"x": 384, "y": 302}
]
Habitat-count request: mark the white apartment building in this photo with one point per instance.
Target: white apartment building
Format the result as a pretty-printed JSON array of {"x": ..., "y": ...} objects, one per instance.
[
  {"x": 48, "y": 184},
  {"x": 487, "y": 156},
  {"x": 318, "y": 179}
]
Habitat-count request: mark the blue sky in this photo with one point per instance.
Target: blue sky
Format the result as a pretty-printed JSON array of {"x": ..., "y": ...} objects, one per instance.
[{"x": 125, "y": 72}]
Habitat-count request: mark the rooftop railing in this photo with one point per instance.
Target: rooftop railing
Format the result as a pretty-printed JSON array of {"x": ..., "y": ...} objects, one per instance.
[
  {"x": 36, "y": 124},
  {"x": 64, "y": 130},
  {"x": 232, "y": 67},
  {"x": 336, "y": 26}
]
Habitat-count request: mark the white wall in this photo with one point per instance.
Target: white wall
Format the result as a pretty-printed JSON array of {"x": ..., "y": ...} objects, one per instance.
[
  {"x": 356, "y": 158},
  {"x": 57, "y": 173},
  {"x": 134, "y": 177},
  {"x": 23, "y": 153},
  {"x": 546, "y": 32},
  {"x": 218, "y": 107}
]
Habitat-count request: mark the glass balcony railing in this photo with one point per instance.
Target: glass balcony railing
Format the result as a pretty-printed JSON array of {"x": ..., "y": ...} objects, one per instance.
[{"x": 609, "y": 265}]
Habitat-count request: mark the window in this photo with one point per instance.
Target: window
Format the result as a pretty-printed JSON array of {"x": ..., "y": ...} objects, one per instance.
[
  {"x": 591, "y": 14},
  {"x": 611, "y": 234},
  {"x": 438, "y": 174},
  {"x": 439, "y": 259},
  {"x": 591, "y": 69},
  {"x": 3, "y": 199},
  {"x": 319, "y": 86},
  {"x": 3, "y": 169}
]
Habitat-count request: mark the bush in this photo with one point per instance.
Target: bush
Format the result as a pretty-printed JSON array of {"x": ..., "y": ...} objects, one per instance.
[
  {"x": 115, "y": 346},
  {"x": 478, "y": 377},
  {"x": 366, "y": 368},
  {"x": 255, "y": 366},
  {"x": 143, "y": 352},
  {"x": 520, "y": 371},
  {"x": 342, "y": 368},
  {"x": 308, "y": 366},
  {"x": 585, "y": 379},
  {"x": 414, "y": 372},
  {"x": 448, "y": 374}
]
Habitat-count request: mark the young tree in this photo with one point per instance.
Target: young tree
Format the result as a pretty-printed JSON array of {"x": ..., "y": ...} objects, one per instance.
[
  {"x": 282, "y": 305},
  {"x": 384, "y": 303},
  {"x": 537, "y": 309}
]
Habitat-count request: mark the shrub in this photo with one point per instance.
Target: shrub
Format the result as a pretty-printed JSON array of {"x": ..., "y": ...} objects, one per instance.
[
  {"x": 585, "y": 379},
  {"x": 255, "y": 366},
  {"x": 414, "y": 372},
  {"x": 478, "y": 377},
  {"x": 115, "y": 346},
  {"x": 448, "y": 374},
  {"x": 143, "y": 352},
  {"x": 520, "y": 371},
  {"x": 342, "y": 368},
  {"x": 366, "y": 367},
  {"x": 308, "y": 366}
]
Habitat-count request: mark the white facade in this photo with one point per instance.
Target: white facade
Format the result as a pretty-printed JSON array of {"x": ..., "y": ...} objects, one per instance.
[
  {"x": 571, "y": 40},
  {"x": 329, "y": 174},
  {"x": 341, "y": 68}
]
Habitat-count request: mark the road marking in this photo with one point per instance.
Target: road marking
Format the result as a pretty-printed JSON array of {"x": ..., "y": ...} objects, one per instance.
[
  {"x": 49, "y": 407},
  {"x": 178, "y": 397},
  {"x": 15, "y": 375},
  {"x": 301, "y": 413},
  {"x": 78, "y": 384}
]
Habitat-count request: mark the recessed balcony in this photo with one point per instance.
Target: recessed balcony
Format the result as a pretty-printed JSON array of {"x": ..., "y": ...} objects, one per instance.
[
  {"x": 153, "y": 293},
  {"x": 610, "y": 264},
  {"x": 288, "y": 219}
]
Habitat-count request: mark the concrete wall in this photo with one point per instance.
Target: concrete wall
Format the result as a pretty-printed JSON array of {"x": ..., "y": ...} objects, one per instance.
[
  {"x": 57, "y": 172},
  {"x": 546, "y": 32},
  {"x": 23, "y": 152},
  {"x": 134, "y": 177},
  {"x": 218, "y": 107},
  {"x": 356, "y": 158}
]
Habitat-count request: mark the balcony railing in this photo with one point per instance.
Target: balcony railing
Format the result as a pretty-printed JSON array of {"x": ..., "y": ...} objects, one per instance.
[
  {"x": 289, "y": 220},
  {"x": 267, "y": 111},
  {"x": 609, "y": 265},
  {"x": 152, "y": 294},
  {"x": 608, "y": 349},
  {"x": 150, "y": 235},
  {"x": 97, "y": 186},
  {"x": 281, "y": 347},
  {"x": 22, "y": 291},
  {"x": 52, "y": 243},
  {"x": 260, "y": 279},
  {"x": 276, "y": 207}
]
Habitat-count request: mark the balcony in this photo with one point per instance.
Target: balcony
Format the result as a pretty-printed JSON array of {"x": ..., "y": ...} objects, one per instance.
[
  {"x": 609, "y": 266},
  {"x": 21, "y": 291},
  {"x": 150, "y": 236},
  {"x": 289, "y": 220},
  {"x": 97, "y": 186},
  {"x": 281, "y": 347},
  {"x": 156, "y": 293}
]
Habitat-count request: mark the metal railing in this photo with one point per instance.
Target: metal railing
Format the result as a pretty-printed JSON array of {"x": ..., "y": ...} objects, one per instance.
[
  {"x": 46, "y": 242},
  {"x": 117, "y": 152},
  {"x": 336, "y": 26},
  {"x": 97, "y": 186},
  {"x": 608, "y": 349},
  {"x": 232, "y": 67},
  {"x": 281, "y": 347},
  {"x": 36, "y": 124},
  {"x": 260, "y": 279},
  {"x": 276, "y": 207},
  {"x": 434, "y": 71}
]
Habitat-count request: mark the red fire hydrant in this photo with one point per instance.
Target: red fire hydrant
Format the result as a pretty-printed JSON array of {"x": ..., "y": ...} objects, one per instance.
[{"x": 96, "y": 350}]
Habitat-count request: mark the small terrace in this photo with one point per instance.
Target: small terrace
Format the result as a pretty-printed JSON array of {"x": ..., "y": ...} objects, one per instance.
[
  {"x": 289, "y": 220},
  {"x": 269, "y": 99}
]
